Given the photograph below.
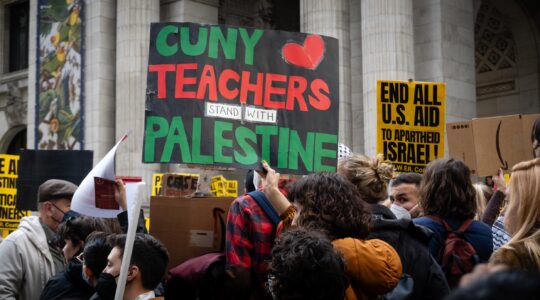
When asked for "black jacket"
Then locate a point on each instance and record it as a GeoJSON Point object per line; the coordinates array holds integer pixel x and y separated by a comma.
{"type": "Point", "coordinates": [410, 242]}
{"type": "Point", "coordinates": [68, 284]}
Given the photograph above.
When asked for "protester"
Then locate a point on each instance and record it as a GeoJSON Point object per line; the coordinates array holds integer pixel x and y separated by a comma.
{"type": "Point", "coordinates": [75, 231]}
{"type": "Point", "coordinates": [522, 219]}
{"type": "Point", "coordinates": [306, 266]}
{"type": "Point", "coordinates": [30, 255]}
{"type": "Point", "coordinates": [447, 198]}
{"type": "Point", "coordinates": [249, 238]}
{"type": "Point", "coordinates": [328, 203]}
{"type": "Point", "coordinates": [70, 283]}
{"type": "Point", "coordinates": [404, 195]}
{"type": "Point", "coordinates": [148, 265]}
{"type": "Point", "coordinates": [371, 177]}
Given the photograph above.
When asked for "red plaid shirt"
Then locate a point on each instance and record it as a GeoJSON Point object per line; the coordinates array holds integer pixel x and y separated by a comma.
{"type": "Point", "coordinates": [249, 238]}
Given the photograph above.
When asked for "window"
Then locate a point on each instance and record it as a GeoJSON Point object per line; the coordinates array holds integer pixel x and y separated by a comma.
{"type": "Point", "coordinates": [18, 23]}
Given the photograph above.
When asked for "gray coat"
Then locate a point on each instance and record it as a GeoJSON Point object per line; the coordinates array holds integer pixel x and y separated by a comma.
{"type": "Point", "coordinates": [26, 262]}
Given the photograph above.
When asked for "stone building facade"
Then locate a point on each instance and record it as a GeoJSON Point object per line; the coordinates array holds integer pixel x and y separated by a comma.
{"type": "Point", "coordinates": [486, 51]}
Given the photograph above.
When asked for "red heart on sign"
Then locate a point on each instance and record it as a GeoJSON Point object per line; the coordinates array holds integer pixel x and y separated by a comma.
{"type": "Point", "coordinates": [307, 56]}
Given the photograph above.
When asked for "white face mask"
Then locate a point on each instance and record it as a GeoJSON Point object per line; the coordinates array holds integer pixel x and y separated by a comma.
{"type": "Point", "coordinates": [400, 212]}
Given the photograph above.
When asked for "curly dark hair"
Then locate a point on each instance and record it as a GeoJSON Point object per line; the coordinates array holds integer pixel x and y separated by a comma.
{"type": "Point", "coordinates": [306, 266]}
{"type": "Point", "coordinates": [446, 190]}
{"type": "Point", "coordinates": [331, 204]}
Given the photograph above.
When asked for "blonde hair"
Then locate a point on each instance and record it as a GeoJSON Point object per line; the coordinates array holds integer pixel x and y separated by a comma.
{"type": "Point", "coordinates": [369, 174]}
{"type": "Point", "coordinates": [524, 201]}
{"type": "Point", "coordinates": [480, 201]}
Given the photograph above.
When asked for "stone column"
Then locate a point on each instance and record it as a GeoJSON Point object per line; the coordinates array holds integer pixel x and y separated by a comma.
{"type": "Point", "coordinates": [331, 18]}
{"type": "Point", "coordinates": [99, 76]}
{"type": "Point", "coordinates": [132, 43]}
{"type": "Point", "coordinates": [32, 52]}
{"type": "Point", "coordinates": [444, 51]}
{"type": "Point", "coordinates": [205, 12]}
{"type": "Point", "coordinates": [387, 54]}
{"type": "Point", "coordinates": [357, 105]}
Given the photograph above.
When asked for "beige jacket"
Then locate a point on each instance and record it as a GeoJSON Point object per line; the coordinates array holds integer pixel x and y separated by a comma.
{"type": "Point", "coordinates": [26, 263]}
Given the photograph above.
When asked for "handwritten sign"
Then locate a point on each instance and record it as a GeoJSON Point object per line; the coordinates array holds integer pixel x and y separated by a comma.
{"type": "Point", "coordinates": [230, 96]}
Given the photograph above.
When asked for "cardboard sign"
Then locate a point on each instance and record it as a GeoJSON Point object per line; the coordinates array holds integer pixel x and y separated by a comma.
{"type": "Point", "coordinates": [157, 180]}
{"type": "Point", "coordinates": [229, 96]}
{"type": "Point", "coordinates": [179, 184]}
{"type": "Point", "coordinates": [410, 123]}
{"type": "Point", "coordinates": [9, 215]}
{"type": "Point", "coordinates": [189, 227]}
{"type": "Point", "coordinates": [487, 144]}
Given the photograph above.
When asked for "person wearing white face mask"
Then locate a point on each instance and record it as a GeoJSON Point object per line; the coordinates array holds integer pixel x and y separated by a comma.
{"type": "Point", "coordinates": [404, 195]}
{"type": "Point", "coordinates": [371, 176]}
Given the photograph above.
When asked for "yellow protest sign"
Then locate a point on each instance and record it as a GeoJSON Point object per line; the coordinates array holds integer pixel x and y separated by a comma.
{"type": "Point", "coordinates": [410, 123]}
{"type": "Point", "coordinates": [156, 183]}
{"type": "Point", "coordinates": [9, 215]}
{"type": "Point", "coordinates": [157, 179]}
{"type": "Point", "coordinates": [222, 187]}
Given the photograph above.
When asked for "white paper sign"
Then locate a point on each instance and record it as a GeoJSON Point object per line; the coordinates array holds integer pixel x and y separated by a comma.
{"type": "Point", "coordinates": [84, 199]}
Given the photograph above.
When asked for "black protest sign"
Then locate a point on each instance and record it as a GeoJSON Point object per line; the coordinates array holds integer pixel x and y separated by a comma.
{"type": "Point", "coordinates": [38, 166]}
{"type": "Point", "coordinates": [410, 123]}
{"type": "Point", "coordinates": [231, 96]}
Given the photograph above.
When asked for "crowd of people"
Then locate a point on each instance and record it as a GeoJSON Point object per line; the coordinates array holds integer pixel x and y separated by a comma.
{"type": "Point", "coordinates": [363, 232]}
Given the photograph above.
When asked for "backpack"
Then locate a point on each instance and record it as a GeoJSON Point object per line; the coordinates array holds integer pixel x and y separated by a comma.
{"type": "Point", "coordinates": [457, 257]}
{"type": "Point", "coordinates": [204, 277]}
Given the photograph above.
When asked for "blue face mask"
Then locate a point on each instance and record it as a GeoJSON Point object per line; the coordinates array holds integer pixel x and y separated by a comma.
{"type": "Point", "coordinates": [70, 214]}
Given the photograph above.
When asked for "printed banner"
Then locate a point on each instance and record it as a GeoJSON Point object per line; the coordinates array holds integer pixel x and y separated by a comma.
{"type": "Point", "coordinates": [410, 123]}
{"type": "Point", "coordinates": [231, 96]}
{"type": "Point", "coordinates": [9, 215]}
{"type": "Point", "coordinates": [59, 86]}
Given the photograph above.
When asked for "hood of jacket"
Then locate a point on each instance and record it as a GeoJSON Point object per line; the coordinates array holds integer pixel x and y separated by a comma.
{"type": "Point", "coordinates": [373, 266]}
{"type": "Point", "coordinates": [384, 220]}
{"type": "Point", "coordinates": [35, 233]}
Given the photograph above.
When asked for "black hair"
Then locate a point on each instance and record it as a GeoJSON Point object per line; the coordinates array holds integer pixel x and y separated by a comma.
{"type": "Point", "coordinates": [76, 229]}
{"type": "Point", "coordinates": [248, 181]}
{"type": "Point", "coordinates": [96, 250]}
{"type": "Point", "coordinates": [149, 255]}
{"type": "Point", "coordinates": [306, 266]}
{"type": "Point", "coordinates": [513, 284]}
{"type": "Point", "coordinates": [407, 178]}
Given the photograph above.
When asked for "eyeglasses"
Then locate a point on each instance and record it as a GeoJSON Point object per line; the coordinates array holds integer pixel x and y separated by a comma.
{"type": "Point", "coordinates": [58, 208]}
{"type": "Point", "coordinates": [80, 257]}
